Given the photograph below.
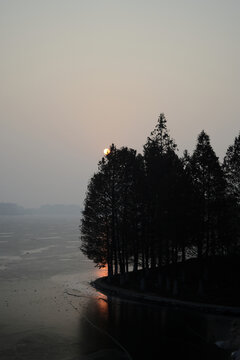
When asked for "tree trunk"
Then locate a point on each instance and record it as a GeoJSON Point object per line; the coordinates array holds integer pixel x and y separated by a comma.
{"type": "Point", "coordinates": [183, 252]}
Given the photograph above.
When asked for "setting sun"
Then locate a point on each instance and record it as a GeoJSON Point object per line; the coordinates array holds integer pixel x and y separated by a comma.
{"type": "Point", "coordinates": [106, 151]}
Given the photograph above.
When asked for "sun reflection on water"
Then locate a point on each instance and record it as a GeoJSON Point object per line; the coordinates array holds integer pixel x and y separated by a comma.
{"type": "Point", "coordinates": [102, 272]}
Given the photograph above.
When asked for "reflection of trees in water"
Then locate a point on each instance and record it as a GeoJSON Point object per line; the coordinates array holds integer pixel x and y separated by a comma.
{"type": "Point", "coordinates": [149, 332]}
{"type": "Point", "coordinates": [96, 340]}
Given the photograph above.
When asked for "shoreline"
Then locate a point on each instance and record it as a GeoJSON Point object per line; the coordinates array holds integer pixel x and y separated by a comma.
{"type": "Point", "coordinates": [150, 298]}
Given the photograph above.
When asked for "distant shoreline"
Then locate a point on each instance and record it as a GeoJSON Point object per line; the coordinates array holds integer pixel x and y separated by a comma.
{"type": "Point", "coordinates": [102, 284]}
{"type": "Point", "coordinates": [12, 209]}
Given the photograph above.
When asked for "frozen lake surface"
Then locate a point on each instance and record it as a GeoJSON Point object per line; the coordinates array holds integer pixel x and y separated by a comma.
{"type": "Point", "coordinates": [48, 310]}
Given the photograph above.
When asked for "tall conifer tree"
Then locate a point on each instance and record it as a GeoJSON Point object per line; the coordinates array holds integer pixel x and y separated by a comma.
{"type": "Point", "coordinates": [209, 183]}
{"type": "Point", "coordinates": [160, 158]}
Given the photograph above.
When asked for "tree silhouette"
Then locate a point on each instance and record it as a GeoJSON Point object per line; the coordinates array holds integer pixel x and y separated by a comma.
{"type": "Point", "coordinates": [231, 167]}
{"type": "Point", "coordinates": [111, 223]}
{"type": "Point", "coordinates": [95, 225]}
{"type": "Point", "coordinates": [210, 185]}
{"type": "Point", "coordinates": [160, 166]}
{"type": "Point", "coordinates": [152, 210]}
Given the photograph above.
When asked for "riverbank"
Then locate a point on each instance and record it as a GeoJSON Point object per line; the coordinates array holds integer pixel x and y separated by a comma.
{"type": "Point", "coordinates": [101, 284]}
{"type": "Point", "coordinates": [210, 285]}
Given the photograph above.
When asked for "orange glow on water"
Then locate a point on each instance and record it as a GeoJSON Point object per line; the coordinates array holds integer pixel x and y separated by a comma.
{"type": "Point", "coordinates": [102, 272]}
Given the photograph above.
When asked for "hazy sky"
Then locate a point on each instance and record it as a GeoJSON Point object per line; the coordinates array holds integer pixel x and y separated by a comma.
{"type": "Point", "coordinates": [77, 75]}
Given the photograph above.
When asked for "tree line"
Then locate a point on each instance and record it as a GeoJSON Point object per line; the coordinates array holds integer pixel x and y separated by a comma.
{"type": "Point", "coordinates": [144, 211]}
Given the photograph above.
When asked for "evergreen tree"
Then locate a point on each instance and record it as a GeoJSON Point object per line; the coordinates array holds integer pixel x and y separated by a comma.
{"type": "Point", "coordinates": [160, 158]}
{"type": "Point", "coordinates": [231, 167]}
{"type": "Point", "coordinates": [191, 209]}
{"type": "Point", "coordinates": [111, 223]}
{"type": "Point", "coordinates": [130, 177]}
{"type": "Point", "coordinates": [95, 224]}
{"type": "Point", "coordinates": [209, 184]}
{"type": "Point", "coordinates": [157, 209]}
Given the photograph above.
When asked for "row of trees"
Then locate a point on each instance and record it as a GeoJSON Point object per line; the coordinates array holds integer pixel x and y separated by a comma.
{"type": "Point", "coordinates": [145, 211]}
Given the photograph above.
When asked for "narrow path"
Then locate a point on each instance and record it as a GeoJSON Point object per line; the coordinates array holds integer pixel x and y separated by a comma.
{"type": "Point", "coordinates": [101, 285]}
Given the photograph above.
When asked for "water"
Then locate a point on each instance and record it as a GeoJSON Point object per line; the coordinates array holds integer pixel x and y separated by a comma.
{"type": "Point", "coordinates": [48, 310]}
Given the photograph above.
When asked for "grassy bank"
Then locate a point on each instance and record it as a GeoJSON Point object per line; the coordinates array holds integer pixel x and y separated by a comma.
{"type": "Point", "coordinates": [210, 281]}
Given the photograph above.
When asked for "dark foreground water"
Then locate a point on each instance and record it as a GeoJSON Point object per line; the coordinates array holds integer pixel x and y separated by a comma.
{"type": "Point", "coordinates": [49, 311]}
